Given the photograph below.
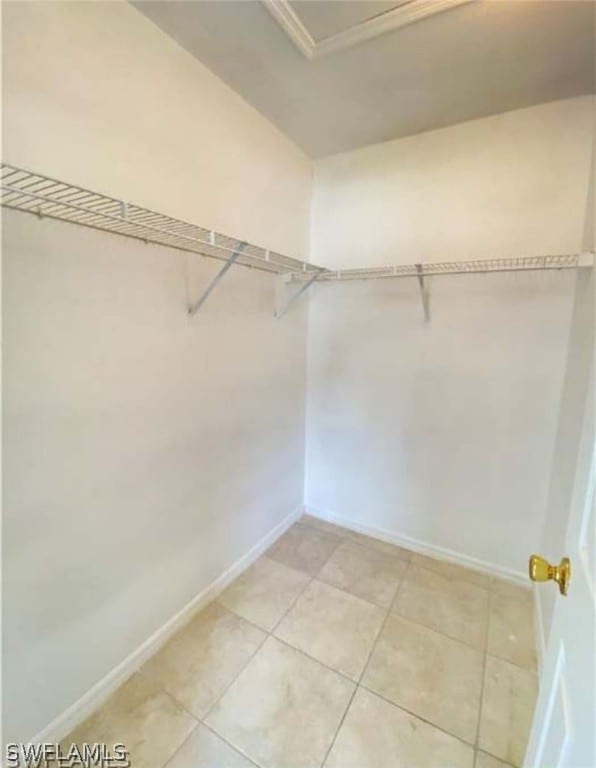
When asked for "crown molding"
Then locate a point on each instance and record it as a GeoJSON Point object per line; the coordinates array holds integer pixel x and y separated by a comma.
{"type": "Point", "coordinates": [282, 12]}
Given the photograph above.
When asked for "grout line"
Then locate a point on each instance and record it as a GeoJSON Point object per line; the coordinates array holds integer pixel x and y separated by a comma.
{"type": "Point", "coordinates": [451, 577]}
{"type": "Point", "coordinates": [356, 683]}
{"type": "Point", "coordinates": [365, 665]}
{"type": "Point", "coordinates": [384, 698]}
{"type": "Point", "coordinates": [290, 606]}
{"type": "Point", "coordinates": [347, 537]}
{"type": "Point", "coordinates": [198, 723]}
{"type": "Point", "coordinates": [420, 623]}
{"type": "Point", "coordinates": [270, 634]}
{"type": "Point", "coordinates": [495, 757]}
{"type": "Point", "coordinates": [416, 715]}
{"type": "Point", "coordinates": [484, 659]}
{"type": "Point", "coordinates": [407, 620]}
{"type": "Point", "coordinates": [358, 546]}
{"type": "Point", "coordinates": [389, 612]}
{"type": "Point", "coordinates": [312, 576]}
{"type": "Point", "coordinates": [236, 676]}
{"type": "Point", "coordinates": [341, 722]}
{"type": "Point", "coordinates": [317, 661]}
{"type": "Point", "coordinates": [267, 634]}
{"type": "Point", "coordinates": [179, 747]}
{"type": "Point", "coordinates": [387, 615]}
{"type": "Point", "coordinates": [229, 743]}
{"type": "Point", "coordinates": [531, 670]}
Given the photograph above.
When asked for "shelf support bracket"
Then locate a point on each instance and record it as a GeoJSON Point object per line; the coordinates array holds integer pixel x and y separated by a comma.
{"type": "Point", "coordinates": [194, 308]}
{"type": "Point", "coordinates": [423, 293]}
{"type": "Point", "coordinates": [281, 312]}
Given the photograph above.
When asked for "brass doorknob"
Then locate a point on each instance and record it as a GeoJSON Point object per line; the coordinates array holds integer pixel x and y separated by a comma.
{"type": "Point", "coordinates": [542, 570]}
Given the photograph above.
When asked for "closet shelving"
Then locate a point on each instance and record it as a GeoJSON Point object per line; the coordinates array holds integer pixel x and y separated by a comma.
{"type": "Point", "coordinates": [44, 196]}
{"type": "Point", "coordinates": [48, 197]}
{"type": "Point", "coordinates": [562, 261]}
{"type": "Point", "coordinates": [472, 266]}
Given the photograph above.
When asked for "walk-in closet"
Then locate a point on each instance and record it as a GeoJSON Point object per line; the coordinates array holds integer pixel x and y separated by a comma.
{"type": "Point", "coordinates": [298, 392]}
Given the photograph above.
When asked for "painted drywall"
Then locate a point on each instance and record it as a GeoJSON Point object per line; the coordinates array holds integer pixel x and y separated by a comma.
{"type": "Point", "coordinates": [144, 452]}
{"type": "Point", "coordinates": [440, 433]}
{"type": "Point", "coordinates": [95, 94]}
{"type": "Point", "coordinates": [510, 185]}
{"type": "Point", "coordinates": [443, 433]}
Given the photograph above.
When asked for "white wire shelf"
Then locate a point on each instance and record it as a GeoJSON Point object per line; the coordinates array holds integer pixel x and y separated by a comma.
{"type": "Point", "coordinates": [527, 263]}
{"type": "Point", "coordinates": [47, 197]}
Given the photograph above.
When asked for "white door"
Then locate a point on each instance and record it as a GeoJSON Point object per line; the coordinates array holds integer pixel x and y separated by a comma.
{"type": "Point", "coordinates": [564, 728]}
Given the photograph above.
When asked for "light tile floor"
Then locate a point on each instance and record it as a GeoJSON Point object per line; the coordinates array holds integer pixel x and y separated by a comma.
{"type": "Point", "coordinates": [337, 650]}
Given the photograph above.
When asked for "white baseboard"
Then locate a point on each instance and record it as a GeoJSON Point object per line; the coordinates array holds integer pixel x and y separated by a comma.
{"type": "Point", "coordinates": [95, 696]}
{"type": "Point", "coordinates": [422, 547]}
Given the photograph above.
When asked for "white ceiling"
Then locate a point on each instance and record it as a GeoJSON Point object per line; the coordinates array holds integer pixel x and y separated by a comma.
{"type": "Point", "coordinates": [324, 18]}
{"type": "Point", "coordinates": [478, 59]}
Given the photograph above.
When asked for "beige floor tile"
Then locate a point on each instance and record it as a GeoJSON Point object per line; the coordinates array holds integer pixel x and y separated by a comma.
{"type": "Point", "coordinates": [511, 630]}
{"type": "Point", "coordinates": [509, 589]}
{"type": "Point", "coordinates": [483, 760]}
{"type": "Point", "coordinates": [304, 548]}
{"type": "Point", "coordinates": [364, 572]}
{"type": "Point", "coordinates": [204, 749]}
{"type": "Point", "coordinates": [333, 627]}
{"type": "Point", "coordinates": [264, 592]}
{"type": "Point", "coordinates": [452, 570]}
{"type": "Point", "coordinates": [141, 716]}
{"type": "Point", "coordinates": [376, 734]}
{"type": "Point", "coordinates": [284, 708]}
{"type": "Point", "coordinates": [323, 525]}
{"type": "Point", "coordinates": [198, 663]}
{"type": "Point", "coordinates": [508, 703]}
{"type": "Point", "coordinates": [429, 674]}
{"type": "Point", "coordinates": [456, 608]}
{"type": "Point", "coordinates": [379, 545]}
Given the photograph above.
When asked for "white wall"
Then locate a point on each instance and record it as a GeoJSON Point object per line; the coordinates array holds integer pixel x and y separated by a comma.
{"type": "Point", "coordinates": [440, 433]}
{"type": "Point", "coordinates": [144, 452]}
{"type": "Point", "coordinates": [444, 433]}
{"type": "Point", "coordinates": [509, 185]}
{"type": "Point", "coordinates": [95, 94]}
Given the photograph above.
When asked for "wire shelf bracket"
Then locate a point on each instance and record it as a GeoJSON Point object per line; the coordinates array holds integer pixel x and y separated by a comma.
{"type": "Point", "coordinates": [194, 308]}
{"type": "Point", "coordinates": [282, 308]}
{"type": "Point", "coordinates": [423, 293]}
